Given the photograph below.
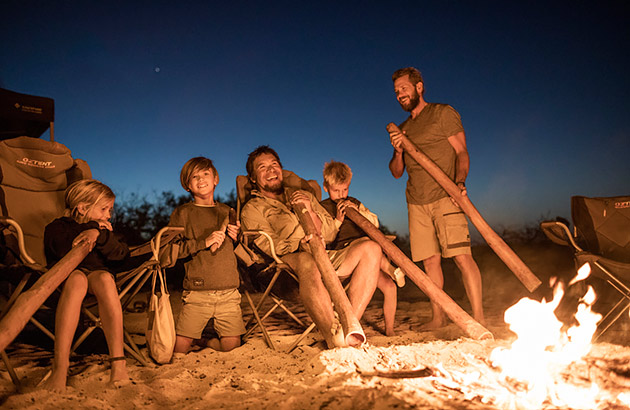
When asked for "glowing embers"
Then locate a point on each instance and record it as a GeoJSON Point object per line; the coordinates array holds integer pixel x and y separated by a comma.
{"type": "Point", "coordinates": [538, 361]}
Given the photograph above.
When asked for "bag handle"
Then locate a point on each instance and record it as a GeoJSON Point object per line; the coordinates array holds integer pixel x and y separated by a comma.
{"type": "Point", "coordinates": [160, 273]}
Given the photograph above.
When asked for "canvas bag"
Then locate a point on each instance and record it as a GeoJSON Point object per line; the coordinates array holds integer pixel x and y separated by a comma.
{"type": "Point", "coordinates": [160, 333]}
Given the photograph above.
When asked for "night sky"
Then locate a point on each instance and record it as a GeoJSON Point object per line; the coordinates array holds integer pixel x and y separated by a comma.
{"type": "Point", "coordinates": [141, 87]}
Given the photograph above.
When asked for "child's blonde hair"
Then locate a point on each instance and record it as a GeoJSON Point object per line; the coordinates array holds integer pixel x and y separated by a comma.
{"type": "Point", "coordinates": [88, 191]}
{"type": "Point", "coordinates": [336, 173]}
{"type": "Point", "coordinates": [193, 165]}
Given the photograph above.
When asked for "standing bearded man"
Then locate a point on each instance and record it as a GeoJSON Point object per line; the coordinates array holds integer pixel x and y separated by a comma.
{"type": "Point", "coordinates": [437, 226]}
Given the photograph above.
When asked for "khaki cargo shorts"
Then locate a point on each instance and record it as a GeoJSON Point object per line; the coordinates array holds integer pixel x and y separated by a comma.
{"type": "Point", "coordinates": [337, 256]}
{"type": "Point", "coordinates": [438, 228]}
{"type": "Point", "coordinates": [199, 306]}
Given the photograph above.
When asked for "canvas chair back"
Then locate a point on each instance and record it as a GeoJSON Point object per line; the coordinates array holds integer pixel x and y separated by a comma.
{"type": "Point", "coordinates": [25, 115]}
{"type": "Point", "coordinates": [34, 174]}
{"type": "Point", "coordinates": [602, 226]}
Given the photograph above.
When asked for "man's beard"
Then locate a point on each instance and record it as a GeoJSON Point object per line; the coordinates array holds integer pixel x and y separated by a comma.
{"type": "Point", "coordinates": [276, 188]}
{"type": "Point", "coordinates": [414, 100]}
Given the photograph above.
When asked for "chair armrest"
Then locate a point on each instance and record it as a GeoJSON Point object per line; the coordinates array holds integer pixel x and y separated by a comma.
{"type": "Point", "coordinates": [252, 234]}
{"type": "Point", "coordinates": [559, 234]}
{"type": "Point", "coordinates": [19, 234]}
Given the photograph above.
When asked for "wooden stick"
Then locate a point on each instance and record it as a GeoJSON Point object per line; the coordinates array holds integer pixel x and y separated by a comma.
{"type": "Point", "coordinates": [29, 301]}
{"type": "Point", "coordinates": [507, 255]}
{"type": "Point", "coordinates": [437, 295]}
{"type": "Point", "coordinates": [352, 329]}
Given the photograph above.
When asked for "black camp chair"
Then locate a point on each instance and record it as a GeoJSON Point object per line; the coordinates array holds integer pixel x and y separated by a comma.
{"type": "Point", "coordinates": [601, 237]}
{"type": "Point", "coordinates": [25, 115]}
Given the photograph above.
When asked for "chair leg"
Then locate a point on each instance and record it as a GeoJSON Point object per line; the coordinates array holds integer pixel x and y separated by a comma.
{"type": "Point", "coordinates": [265, 294]}
{"type": "Point", "coordinates": [281, 305]}
{"type": "Point", "coordinates": [14, 378]}
{"type": "Point", "coordinates": [611, 317]}
{"type": "Point", "coordinates": [136, 355]}
{"type": "Point", "coordinates": [301, 337]}
{"type": "Point", "coordinates": [134, 350]}
{"type": "Point", "coordinates": [259, 321]}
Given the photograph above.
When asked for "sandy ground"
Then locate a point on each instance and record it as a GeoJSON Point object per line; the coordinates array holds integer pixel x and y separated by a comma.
{"type": "Point", "coordinates": [442, 369]}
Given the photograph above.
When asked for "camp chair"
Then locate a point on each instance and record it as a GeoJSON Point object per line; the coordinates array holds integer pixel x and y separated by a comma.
{"type": "Point", "coordinates": [25, 115]}
{"type": "Point", "coordinates": [129, 284]}
{"type": "Point", "coordinates": [254, 260]}
{"type": "Point", "coordinates": [601, 237]}
{"type": "Point", "coordinates": [34, 174]}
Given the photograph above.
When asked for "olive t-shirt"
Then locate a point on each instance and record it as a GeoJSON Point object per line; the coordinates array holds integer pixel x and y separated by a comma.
{"type": "Point", "coordinates": [430, 131]}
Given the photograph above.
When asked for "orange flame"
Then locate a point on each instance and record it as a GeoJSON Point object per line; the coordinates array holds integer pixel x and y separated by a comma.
{"type": "Point", "coordinates": [542, 350]}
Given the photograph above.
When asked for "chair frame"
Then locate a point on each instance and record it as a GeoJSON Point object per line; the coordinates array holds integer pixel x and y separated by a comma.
{"type": "Point", "coordinates": [277, 302]}
{"type": "Point", "coordinates": [130, 281]}
{"type": "Point", "coordinates": [566, 238]}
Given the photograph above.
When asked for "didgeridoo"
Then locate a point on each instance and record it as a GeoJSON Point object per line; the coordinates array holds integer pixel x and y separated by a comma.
{"type": "Point", "coordinates": [28, 302]}
{"type": "Point", "coordinates": [458, 315]}
{"type": "Point", "coordinates": [503, 251]}
{"type": "Point", "coordinates": [353, 332]}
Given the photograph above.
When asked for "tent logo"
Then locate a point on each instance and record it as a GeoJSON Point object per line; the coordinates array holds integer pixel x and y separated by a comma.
{"type": "Point", "coordinates": [26, 108]}
{"type": "Point", "coordinates": [620, 205]}
{"type": "Point", "coordinates": [35, 163]}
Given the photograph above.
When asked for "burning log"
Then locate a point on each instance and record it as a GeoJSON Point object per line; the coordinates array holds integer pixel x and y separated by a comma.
{"type": "Point", "coordinates": [351, 327]}
{"type": "Point", "coordinates": [507, 255]}
{"type": "Point", "coordinates": [28, 302]}
{"type": "Point", "coordinates": [437, 295]}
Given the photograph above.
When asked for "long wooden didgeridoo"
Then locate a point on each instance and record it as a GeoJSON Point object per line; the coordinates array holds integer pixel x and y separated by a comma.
{"type": "Point", "coordinates": [507, 255]}
{"type": "Point", "coordinates": [437, 295]}
{"type": "Point", "coordinates": [352, 330]}
{"type": "Point", "coordinates": [28, 302]}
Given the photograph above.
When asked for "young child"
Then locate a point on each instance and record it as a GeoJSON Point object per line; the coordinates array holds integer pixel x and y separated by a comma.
{"type": "Point", "coordinates": [337, 178]}
{"type": "Point", "coordinates": [89, 205]}
{"type": "Point", "coordinates": [211, 281]}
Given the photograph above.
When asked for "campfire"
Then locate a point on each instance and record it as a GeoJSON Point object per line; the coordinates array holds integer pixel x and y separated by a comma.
{"type": "Point", "coordinates": [550, 365]}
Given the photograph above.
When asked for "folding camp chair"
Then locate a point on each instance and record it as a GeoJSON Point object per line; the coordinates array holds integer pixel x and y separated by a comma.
{"type": "Point", "coordinates": [276, 269]}
{"type": "Point", "coordinates": [34, 174]}
{"type": "Point", "coordinates": [25, 115]}
{"type": "Point", "coordinates": [129, 284]}
{"type": "Point", "coordinates": [601, 237]}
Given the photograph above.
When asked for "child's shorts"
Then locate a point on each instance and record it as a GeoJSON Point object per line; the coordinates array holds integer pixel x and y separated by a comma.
{"type": "Point", "coordinates": [337, 256]}
{"type": "Point", "coordinates": [199, 306]}
{"type": "Point", "coordinates": [438, 228]}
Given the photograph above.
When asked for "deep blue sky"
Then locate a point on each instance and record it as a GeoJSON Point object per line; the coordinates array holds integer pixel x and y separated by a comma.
{"type": "Point", "coordinates": [140, 87]}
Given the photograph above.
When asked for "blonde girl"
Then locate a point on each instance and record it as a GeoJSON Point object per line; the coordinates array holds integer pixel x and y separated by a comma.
{"type": "Point", "coordinates": [89, 205]}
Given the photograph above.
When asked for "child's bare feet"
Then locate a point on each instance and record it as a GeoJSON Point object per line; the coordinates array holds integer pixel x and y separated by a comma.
{"type": "Point", "coordinates": [434, 324]}
{"type": "Point", "coordinates": [399, 277]}
{"type": "Point", "coordinates": [119, 375]}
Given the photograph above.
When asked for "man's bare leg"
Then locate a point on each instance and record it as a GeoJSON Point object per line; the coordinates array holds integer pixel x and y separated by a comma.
{"type": "Point", "coordinates": [313, 294]}
{"type": "Point", "coordinates": [471, 277]}
{"type": "Point", "coordinates": [66, 320]}
{"type": "Point", "coordinates": [433, 268]}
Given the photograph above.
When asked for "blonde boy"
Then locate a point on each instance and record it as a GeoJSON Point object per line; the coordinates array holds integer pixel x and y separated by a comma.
{"type": "Point", "coordinates": [337, 178]}
{"type": "Point", "coordinates": [211, 281]}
